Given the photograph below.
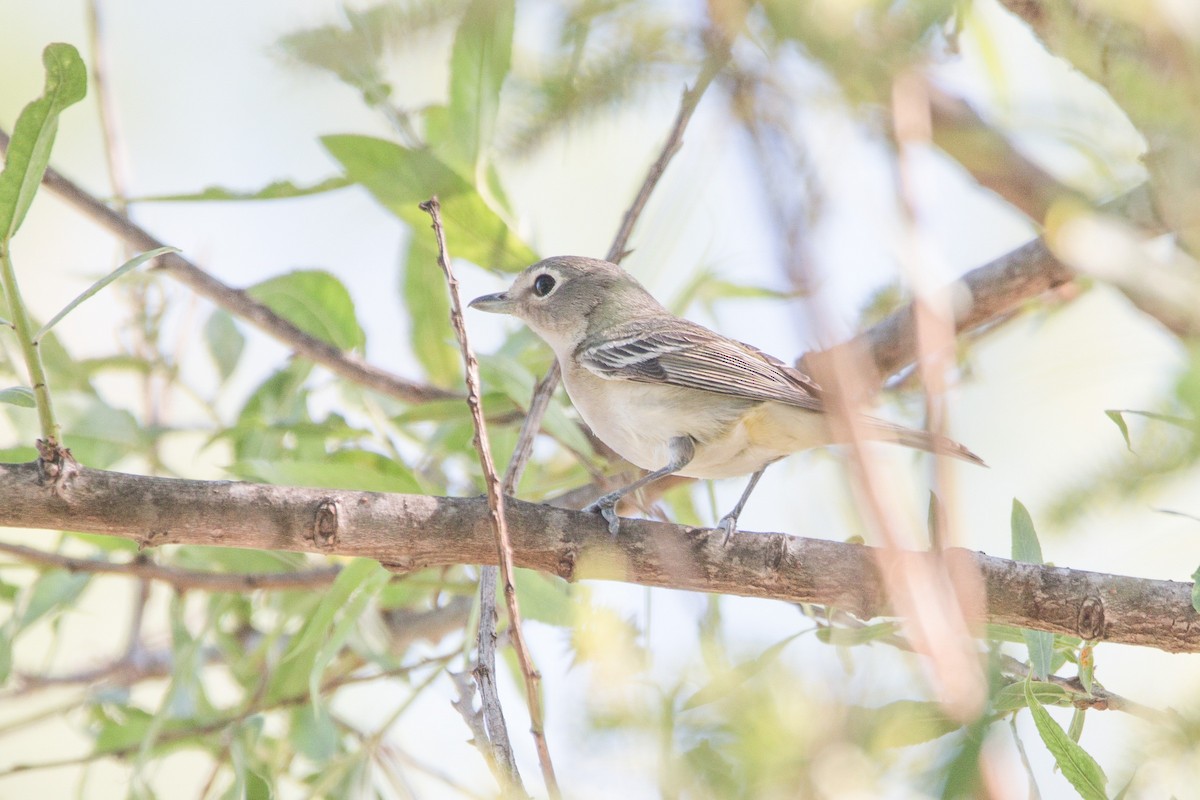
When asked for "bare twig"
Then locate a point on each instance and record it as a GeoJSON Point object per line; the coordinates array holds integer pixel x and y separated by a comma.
{"type": "Point", "coordinates": [495, 497]}
{"type": "Point", "coordinates": [181, 579]}
{"type": "Point", "coordinates": [617, 250]}
{"type": "Point", "coordinates": [237, 302]}
{"type": "Point", "coordinates": [220, 724]}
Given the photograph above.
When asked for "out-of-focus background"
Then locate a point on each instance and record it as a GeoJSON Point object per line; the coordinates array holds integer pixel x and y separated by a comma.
{"type": "Point", "coordinates": [790, 219]}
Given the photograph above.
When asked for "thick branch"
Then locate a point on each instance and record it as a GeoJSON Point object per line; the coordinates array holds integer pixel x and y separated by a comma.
{"type": "Point", "coordinates": [983, 295]}
{"type": "Point", "coordinates": [408, 532]}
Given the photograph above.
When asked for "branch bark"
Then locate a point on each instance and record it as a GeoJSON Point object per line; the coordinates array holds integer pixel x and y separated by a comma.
{"type": "Point", "coordinates": [409, 532]}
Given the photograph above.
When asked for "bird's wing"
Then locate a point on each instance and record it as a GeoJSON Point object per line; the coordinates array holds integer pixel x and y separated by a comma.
{"type": "Point", "coordinates": [677, 352]}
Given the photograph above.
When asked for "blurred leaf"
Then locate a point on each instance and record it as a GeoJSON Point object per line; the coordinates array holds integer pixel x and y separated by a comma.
{"type": "Point", "coordinates": [494, 403]}
{"type": "Point", "coordinates": [28, 152]}
{"type": "Point", "coordinates": [427, 301]}
{"type": "Point", "coordinates": [313, 734]}
{"type": "Point", "coordinates": [729, 681]}
{"type": "Point", "coordinates": [1077, 764]}
{"type": "Point", "coordinates": [1196, 589]}
{"type": "Point", "coordinates": [1119, 420]}
{"type": "Point", "coordinates": [354, 51]}
{"type": "Point", "coordinates": [851, 637]}
{"type": "Point", "coordinates": [1013, 696]}
{"type": "Point", "coordinates": [225, 342]}
{"type": "Point", "coordinates": [7, 634]}
{"type": "Point", "coordinates": [356, 470]}
{"type": "Point", "coordinates": [299, 663]}
{"type": "Point", "coordinates": [902, 723]}
{"type": "Point", "coordinates": [348, 619]}
{"type": "Point", "coordinates": [99, 434]}
{"type": "Point", "coordinates": [400, 178]}
{"type": "Point", "coordinates": [543, 598]}
{"type": "Point", "coordinates": [1027, 549]}
{"type": "Point", "coordinates": [316, 303]}
{"type": "Point", "coordinates": [278, 190]}
{"type": "Point", "coordinates": [478, 65]}
{"type": "Point", "coordinates": [87, 293]}
{"type": "Point", "coordinates": [18, 396]}
{"type": "Point", "coordinates": [239, 560]}
{"type": "Point", "coordinates": [53, 590]}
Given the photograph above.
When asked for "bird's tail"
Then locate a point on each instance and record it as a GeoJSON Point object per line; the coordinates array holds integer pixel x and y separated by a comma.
{"type": "Point", "coordinates": [921, 440]}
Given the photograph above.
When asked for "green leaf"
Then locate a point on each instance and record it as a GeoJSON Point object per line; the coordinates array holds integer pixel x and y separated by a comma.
{"type": "Point", "coordinates": [850, 637]}
{"type": "Point", "coordinates": [225, 342]}
{"type": "Point", "coordinates": [1077, 764]}
{"type": "Point", "coordinates": [479, 63]}
{"type": "Point", "coordinates": [99, 434]}
{"type": "Point", "coordinates": [348, 620]}
{"type": "Point", "coordinates": [1027, 549]}
{"type": "Point", "coordinates": [52, 590]}
{"type": "Point", "coordinates": [316, 303]}
{"type": "Point", "coordinates": [18, 396]}
{"type": "Point", "coordinates": [543, 598]}
{"type": "Point", "coordinates": [400, 178]}
{"type": "Point", "coordinates": [314, 734]}
{"type": "Point", "coordinates": [278, 190]}
{"type": "Point", "coordinates": [902, 723]}
{"type": "Point", "coordinates": [727, 682]}
{"type": "Point", "coordinates": [428, 303]}
{"type": "Point", "coordinates": [1025, 546]}
{"type": "Point", "coordinates": [33, 136]}
{"type": "Point", "coordinates": [345, 469]}
{"type": "Point", "coordinates": [1119, 420]}
{"type": "Point", "coordinates": [1196, 589]}
{"type": "Point", "coordinates": [1075, 729]}
{"type": "Point", "coordinates": [300, 659]}
{"type": "Point", "coordinates": [1013, 696]}
{"type": "Point", "coordinates": [129, 265]}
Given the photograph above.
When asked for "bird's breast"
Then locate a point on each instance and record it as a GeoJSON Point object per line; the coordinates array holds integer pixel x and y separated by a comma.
{"type": "Point", "coordinates": [733, 436]}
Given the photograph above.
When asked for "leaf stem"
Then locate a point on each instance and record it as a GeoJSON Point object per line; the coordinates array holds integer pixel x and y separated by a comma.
{"type": "Point", "coordinates": [29, 346]}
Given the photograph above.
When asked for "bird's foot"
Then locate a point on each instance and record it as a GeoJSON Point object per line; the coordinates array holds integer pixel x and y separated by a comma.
{"type": "Point", "coordinates": [728, 527]}
{"type": "Point", "coordinates": [606, 507]}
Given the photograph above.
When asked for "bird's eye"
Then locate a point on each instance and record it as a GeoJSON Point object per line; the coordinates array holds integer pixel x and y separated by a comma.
{"type": "Point", "coordinates": [543, 284]}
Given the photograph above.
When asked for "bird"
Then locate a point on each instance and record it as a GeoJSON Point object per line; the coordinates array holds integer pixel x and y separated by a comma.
{"type": "Point", "coordinates": [670, 395]}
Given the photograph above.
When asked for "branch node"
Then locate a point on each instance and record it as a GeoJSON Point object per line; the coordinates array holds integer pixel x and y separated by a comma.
{"type": "Point", "coordinates": [1091, 623]}
{"type": "Point", "coordinates": [326, 523]}
{"type": "Point", "coordinates": [566, 565]}
{"type": "Point", "coordinates": [56, 466]}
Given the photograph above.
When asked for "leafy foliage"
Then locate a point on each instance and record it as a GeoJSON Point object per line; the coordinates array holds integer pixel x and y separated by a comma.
{"type": "Point", "coordinates": [257, 681]}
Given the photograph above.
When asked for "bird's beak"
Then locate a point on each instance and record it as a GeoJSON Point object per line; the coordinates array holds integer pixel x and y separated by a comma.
{"type": "Point", "coordinates": [498, 303]}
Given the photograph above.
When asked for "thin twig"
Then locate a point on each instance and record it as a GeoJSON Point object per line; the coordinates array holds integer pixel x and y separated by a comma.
{"type": "Point", "coordinates": [181, 579]}
{"type": "Point", "coordinates": [495, 496]}
{"type": "Point", "coordinates": [237, 302]}
{"type": "Point", "coordinates": [251, 709]}
{"type": "Point", "coordinates": [713, 64]}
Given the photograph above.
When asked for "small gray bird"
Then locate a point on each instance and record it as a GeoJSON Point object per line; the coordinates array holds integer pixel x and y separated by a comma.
{"type": "Point", "coordinates": [670, 395]}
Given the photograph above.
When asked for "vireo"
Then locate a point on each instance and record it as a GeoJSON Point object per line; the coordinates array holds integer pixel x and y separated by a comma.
{"type": "Point", "coordinates": [670, 395]}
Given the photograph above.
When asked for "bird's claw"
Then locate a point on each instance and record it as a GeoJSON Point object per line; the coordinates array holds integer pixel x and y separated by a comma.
{"type": "Point", "coordinates": [728, 527]}
{"type": "Point", "coordinates": [606, 508]}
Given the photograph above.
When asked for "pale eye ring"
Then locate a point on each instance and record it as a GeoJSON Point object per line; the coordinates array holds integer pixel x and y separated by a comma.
{"type": "Point", "coordinates": [543, 284]}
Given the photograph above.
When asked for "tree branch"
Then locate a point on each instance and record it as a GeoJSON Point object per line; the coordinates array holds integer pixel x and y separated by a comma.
{"type": "Point", "coordinates": [180, 579]}
{"type": "Point", "coordinates": [237, 302]}
{"type": "Point", "coordinates": [409, 532]}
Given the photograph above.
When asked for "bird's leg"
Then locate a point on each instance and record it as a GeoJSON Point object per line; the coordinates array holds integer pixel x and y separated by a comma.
{"type": "Point", "coordinates": [682, 449]}
{"type": "Point", "coordinates": [728, 523]}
